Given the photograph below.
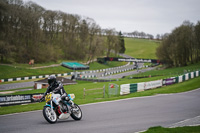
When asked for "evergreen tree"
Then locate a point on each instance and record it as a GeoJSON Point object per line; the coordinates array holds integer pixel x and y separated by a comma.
{"type": "Point", "coordinates": [121, 43]}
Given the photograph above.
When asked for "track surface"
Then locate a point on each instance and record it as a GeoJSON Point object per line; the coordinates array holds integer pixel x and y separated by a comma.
{"type": "Point", "coordinates": [122, 116]}
{"type": "Point", "coordinates": [16, 85]}
{"type": "Point", "coordinates": [121, 75]}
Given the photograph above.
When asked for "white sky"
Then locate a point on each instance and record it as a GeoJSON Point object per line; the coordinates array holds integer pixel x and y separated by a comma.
{"type": "Point", "coordinates": [150, 16]}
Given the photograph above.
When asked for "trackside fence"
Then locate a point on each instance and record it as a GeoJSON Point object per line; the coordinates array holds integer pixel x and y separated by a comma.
{"type": "Point", "coordinates": [93, 92]}
{"type": "Point", "coordinates": [137, 87]}
{"type": "Point", "coordinates": [113, 89]}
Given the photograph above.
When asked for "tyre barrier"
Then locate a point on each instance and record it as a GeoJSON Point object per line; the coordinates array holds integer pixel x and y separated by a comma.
{"type": "Point", "coordinates": [33, 77]}
{"type": "Point", "coordinates": [137, 87]}
{"type": "Point", "coordinates": [106, 73]}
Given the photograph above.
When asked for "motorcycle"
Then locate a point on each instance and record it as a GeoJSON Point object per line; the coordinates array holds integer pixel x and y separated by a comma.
{"type": "Point", "coordinates": [56, 108]}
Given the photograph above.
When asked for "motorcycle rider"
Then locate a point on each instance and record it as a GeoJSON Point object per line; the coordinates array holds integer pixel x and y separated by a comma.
{"type": "Point", "coordinates": [57, 88]}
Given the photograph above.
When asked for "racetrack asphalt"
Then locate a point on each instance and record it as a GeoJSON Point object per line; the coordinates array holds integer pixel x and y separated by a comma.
{"type": "Point", "coordinates": [120, 116]}
{"type": "Point", "coordinates": [16, 85]}
{"type": "Point", "coordinates": [121, 75]}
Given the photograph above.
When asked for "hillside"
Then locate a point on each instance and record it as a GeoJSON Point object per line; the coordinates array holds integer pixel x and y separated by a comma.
{"type": "Point", "coordinates": [141, 48]}
{"type": "Point", "coordinates": [138, 48]}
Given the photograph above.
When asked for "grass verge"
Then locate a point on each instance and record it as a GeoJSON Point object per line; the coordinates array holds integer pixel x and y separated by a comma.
{"type": "Point", "coordinates": [186, 129]}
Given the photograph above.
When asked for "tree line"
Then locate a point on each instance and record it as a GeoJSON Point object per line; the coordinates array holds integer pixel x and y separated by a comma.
{"type": "Point", "coordinates": [182, 46]}
{"type": "Point", "coordinates": [137, 34]}
{"type": "Point", "coordinates": [28, 31]}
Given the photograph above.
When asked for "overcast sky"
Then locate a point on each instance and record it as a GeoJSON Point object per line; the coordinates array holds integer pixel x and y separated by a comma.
{"type": "Point", "coordinates": [150, 16]}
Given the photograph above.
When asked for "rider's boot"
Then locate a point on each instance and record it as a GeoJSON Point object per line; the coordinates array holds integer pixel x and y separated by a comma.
{"type": "Point", "coordinates": [70, 101]}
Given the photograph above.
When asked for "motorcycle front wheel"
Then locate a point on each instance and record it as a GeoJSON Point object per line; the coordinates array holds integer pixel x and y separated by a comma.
{"type": "Point", "coordinates": [76, 112]}
{"type": "Point", "coordinates": [49, 115]}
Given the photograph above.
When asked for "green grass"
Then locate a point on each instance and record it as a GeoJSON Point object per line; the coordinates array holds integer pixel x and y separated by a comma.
{"type": "Point", "coordinates": [78, 91]}
{"type": "Point", "coordinates": [187, 129]}
{"type": "Point", "coordinates": [22, 70]}
{"type": "Point", "coordinates": [141, 48]}
{"type": "Point", "coordinates": [96, 66]}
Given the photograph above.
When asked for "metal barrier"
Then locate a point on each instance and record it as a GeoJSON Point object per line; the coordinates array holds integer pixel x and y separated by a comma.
{"type": "Point", "coordinates": [94, 93]}
{"type": "Point", "coordinates": [113, 89]}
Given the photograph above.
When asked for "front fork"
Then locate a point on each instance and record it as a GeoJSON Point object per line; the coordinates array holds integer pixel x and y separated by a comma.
{"type": "Point", "coordinates": [51, 106]}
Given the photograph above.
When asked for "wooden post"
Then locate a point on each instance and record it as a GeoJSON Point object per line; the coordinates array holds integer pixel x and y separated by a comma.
{"type": "Point", "coordinates": [84, 93]}
{"type": "Point", "coordinates": [104, 91]}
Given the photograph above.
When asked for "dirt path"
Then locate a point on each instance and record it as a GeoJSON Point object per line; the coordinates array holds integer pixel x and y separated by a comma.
{"type": "Point", "coordinates": [54, 65]}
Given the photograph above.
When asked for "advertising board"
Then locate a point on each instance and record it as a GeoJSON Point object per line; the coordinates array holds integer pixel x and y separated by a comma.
{"type": "Point", "coordinates": [19, 99]}
{"type": "Point", "coordinates": [168, 81]}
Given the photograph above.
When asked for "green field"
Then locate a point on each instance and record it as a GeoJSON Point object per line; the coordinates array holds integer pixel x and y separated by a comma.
{"type": "Point", "coordinates": [141, 48]}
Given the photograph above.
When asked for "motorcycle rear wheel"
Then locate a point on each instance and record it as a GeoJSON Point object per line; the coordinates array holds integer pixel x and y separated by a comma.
{"type": "Point", "coordinates": [49, 115]}
{"type": "Point", "coordinates": [76, 112]}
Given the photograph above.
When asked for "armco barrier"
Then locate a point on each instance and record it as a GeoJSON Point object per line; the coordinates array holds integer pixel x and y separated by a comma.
{"type": "Point", "coordinates": [131, 88]}
{"type": "Point", "coordinates": [33, 77]}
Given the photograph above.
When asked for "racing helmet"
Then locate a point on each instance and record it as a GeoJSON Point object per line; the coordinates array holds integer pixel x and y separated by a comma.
{"type": "Point", "coordinates": [51, 80]}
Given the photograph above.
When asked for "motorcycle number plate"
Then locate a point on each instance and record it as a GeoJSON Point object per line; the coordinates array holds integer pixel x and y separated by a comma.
{"type": "Point", "coordinates": [48, 97]}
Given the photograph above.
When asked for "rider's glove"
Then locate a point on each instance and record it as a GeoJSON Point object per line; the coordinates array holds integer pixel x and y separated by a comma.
{"type": "Point", "coordinates": [41, 99]}
{"type": "Point", "coordinates": [63, 97]}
